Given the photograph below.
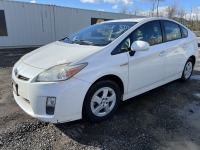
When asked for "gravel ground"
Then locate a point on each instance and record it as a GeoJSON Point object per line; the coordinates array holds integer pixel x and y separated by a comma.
{"type": "Point", "coordinates": [165, 118]}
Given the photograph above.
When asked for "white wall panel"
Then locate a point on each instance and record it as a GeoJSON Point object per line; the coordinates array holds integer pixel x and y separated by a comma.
{"type": "Point", "coordinates": [69, 20]}
{"type": "Point", "coordinates": [35, 24]}
{"type": "Point", "coordinates": [27, 24]}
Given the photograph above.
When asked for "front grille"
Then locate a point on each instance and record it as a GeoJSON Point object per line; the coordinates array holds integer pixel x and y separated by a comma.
{"type": "Point", "coordinates": [23, 78]}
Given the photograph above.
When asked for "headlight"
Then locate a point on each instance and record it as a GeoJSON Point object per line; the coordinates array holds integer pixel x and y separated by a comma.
{"type": "Point", "coordinates": [60, 72]}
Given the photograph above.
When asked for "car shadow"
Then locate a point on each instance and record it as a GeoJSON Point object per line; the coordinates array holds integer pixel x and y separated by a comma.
{"type": "Point", "coordinates": [140, 122]}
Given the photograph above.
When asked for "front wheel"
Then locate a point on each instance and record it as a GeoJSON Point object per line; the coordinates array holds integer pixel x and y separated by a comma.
{"type": "Point", "coordinates": [101, 101]}
{"type": "Point", "coordinates": [188, 69]}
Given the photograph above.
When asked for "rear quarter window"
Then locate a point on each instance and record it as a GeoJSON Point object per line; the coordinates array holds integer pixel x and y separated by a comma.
{"type": "Point", "coordinates": [184, 32]}
{"type": "Point", "coordinates": [172, 31]}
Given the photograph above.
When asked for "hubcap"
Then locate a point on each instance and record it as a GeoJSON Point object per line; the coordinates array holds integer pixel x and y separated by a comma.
{"type": "Point", "coordinates": [188, 70]}
{"type": "Point", "coordinates": [103, 101]}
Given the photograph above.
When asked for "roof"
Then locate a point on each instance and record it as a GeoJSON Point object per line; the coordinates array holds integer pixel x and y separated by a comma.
{"type": "Point", "coordinates": [139, 19]}
{"type": "Point", "coordinates": [127, 20]}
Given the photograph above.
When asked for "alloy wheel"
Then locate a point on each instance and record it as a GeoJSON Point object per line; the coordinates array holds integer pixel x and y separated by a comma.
{"type": "Point", "coordinates": [103, 101]}
{"type": "Point", "coordinates": [188, 70]}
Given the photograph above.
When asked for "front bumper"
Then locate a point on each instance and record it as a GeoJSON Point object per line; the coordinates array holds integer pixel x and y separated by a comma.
{"type": "Point", "coordinates": [69, 98]}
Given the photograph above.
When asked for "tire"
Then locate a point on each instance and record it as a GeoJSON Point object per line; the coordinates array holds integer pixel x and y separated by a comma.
{"type": "Point", "coordinates": [101, 101]}
{"type": "Point", "coordinates": [187, 71]}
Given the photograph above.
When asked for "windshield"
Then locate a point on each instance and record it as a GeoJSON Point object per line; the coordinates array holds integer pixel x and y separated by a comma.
{"type": "Point", "coordinates": [99, 34]}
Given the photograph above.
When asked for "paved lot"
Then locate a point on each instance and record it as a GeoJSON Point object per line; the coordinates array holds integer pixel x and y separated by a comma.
{"type": "Point", "coordinates": [164, 118]}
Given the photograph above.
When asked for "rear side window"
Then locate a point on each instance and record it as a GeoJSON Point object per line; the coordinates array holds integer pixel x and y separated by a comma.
{"type": "Point", "coordinates": [149, 32]}
{"type": "Point", "coordinates": [184, 32]}
{"type": "Point", "coordinates": [172, 30]}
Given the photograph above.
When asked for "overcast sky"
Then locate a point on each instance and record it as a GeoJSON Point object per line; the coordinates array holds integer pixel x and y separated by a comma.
{"type": "Point", "coordinates": [115, 5]}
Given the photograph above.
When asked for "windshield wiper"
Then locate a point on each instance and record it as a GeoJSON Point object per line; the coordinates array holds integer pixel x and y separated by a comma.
{"type": "Point", "coordinates": [63, 40]}
{"type": "Point", "coordinates": [83, 42]}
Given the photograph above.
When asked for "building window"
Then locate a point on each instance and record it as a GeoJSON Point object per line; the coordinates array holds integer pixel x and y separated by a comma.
{"type": "Point", "coordinates": [3, 28]}
{"type": "Point", "coordinates": [98, 20]}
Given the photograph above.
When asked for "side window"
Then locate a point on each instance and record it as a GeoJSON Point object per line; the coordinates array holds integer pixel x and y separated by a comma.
{"type": "Point", "coordinates": [149, 32]}
{"type": "Point", "coordinates": [184, 32]}
{"type": "Point", "coordinates": [172, 30]}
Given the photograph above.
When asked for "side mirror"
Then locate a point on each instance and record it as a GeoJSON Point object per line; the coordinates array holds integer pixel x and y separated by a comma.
{"type": "Point", "coordinates": [140, 46]}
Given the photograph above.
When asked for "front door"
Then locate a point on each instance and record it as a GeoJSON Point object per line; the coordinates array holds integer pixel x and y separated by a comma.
{"type": "Point", "coordinates": [147, 67]}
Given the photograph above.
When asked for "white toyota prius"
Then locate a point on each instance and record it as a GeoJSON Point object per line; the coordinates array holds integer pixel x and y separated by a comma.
{"type": "Point", "coordinates": [88, 73]}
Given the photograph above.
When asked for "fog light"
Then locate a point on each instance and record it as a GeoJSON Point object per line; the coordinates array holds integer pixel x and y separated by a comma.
{"type": "Point", "coordinates": [50, 105]}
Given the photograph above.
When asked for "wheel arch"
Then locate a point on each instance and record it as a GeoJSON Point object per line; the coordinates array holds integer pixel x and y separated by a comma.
{"type": "Point", "coordinates": [193, 58]}
{"type": "Point", "coordinates": [114, 78]}
{"type": "Point", "coordinates": [110, 77]}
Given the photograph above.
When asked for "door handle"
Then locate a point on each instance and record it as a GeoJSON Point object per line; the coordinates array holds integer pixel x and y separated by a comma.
{"type": "Point", "coordinates": [124, 64]}
{"type": "Point", "coordinates": [162, 53]}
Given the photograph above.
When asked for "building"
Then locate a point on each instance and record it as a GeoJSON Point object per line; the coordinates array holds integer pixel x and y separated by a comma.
{"type": "Point", "coordinates": [32, 25]}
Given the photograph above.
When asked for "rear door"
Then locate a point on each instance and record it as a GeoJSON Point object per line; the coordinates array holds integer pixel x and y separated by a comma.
{"type": "Point", "coordinates": [176, 45]}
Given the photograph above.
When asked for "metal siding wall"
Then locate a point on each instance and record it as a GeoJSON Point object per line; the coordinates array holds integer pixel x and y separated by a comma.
{"type": "Point", "coordinates": [70, 20]}
{"type": "Point", "coordinates": [27, 24]}
{"type": "Point", "coordinates": [4, 38]}
{"type": "Point", "coordinates": [34, 24]}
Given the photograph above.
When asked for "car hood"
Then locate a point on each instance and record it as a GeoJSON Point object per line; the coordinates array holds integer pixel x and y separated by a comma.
{"type": "Point", "coordinates": [58, 53]}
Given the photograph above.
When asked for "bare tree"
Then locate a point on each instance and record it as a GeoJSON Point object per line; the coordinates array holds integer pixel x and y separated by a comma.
{"type": "Point", "coordinates": [196, 18]}
{"type": "Point", "coordinates": [191, 19]}
{"type": "Point", "coordinates": [124, 10]}
{"type": "Point", "coordinates": [157, 5]}
{"type": "Point", "coordinates": [172, 10]}
{"type": "Point", "coordinates": [135, 10]}
{"type": "Point", "coordinates": [181, 14]}
{"type": "Point", "coordinates": [153, 5]}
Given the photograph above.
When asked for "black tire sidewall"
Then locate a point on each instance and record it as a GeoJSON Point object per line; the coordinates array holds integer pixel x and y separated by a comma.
{"type": "Point", "coordinates": [87, 112]}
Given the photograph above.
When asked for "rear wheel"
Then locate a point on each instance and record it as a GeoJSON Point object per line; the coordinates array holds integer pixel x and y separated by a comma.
{"type": "Point", "coordinates": [102, 101]}
{"type": "Point", "coordinates": [188, 69]}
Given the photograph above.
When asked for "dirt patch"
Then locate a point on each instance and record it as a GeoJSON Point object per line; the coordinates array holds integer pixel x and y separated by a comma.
{"type": "Point", "coordinates": [164, 118]}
